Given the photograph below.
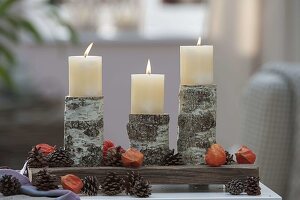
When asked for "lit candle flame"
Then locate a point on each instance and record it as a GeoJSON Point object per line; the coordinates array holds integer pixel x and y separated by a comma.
{"type": "Point", "coordinates": [148, 69]}
{"type": "Point", "coordinates": [199, 41]}
{"type": "Point", "coordinates": [87, 51]}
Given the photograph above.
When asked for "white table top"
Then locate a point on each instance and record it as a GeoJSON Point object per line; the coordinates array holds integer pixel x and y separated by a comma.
{"type": "Point", "coordinates": [175, 192]}
{"type": "Point", "coordinates": [183, 192]}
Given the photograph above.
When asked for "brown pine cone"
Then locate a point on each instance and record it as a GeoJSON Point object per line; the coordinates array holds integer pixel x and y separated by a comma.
{"type": "Point", "coordinates": [235, 187]}
{"type": "Point", "coordinates": [9, 185]}
{"type": "Point", "coordinates": [114, 157]}
{"type": "Point", "coordinates": [252, 186]}
{"type": "Point", "coordinates": [130, 180]}
{"type": "Point", "coordinates": [45, 181]}
{"type": "Point", "coordinates": [36, 159]}
{"type": "Point", "coordinates": [60, 158]}
{"type": "Point", "coordinates": [172, 159]}
{"type": "Point", "coordinates": [142, 188]}
{"type": "Point", "coordinates": [229, 158]}
{"type": "Point", "coordinates": [112, 184]}
{"type": "Point", "coordinates": [90, 185]}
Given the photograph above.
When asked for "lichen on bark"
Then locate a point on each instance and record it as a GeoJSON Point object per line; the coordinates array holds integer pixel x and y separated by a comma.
{"type": "Point", "coordinates": [84, 130]}
{"type": "Point", "coordinates": [149, 134]}
{"type": "Point", "coordinates": [196, 121]}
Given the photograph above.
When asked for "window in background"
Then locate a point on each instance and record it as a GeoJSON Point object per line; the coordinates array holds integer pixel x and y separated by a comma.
{"type": "Point", "coordinates": [183, 20]}
{"type": "Point", "coordinates": [115, 19]}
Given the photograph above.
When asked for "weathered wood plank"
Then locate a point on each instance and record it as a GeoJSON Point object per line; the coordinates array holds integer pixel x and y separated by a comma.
{"type": "Point", "coordinates": [201, 174]}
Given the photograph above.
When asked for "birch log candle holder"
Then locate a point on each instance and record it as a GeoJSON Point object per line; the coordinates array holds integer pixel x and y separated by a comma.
{"type": "Point", "coordinates": [196, 121]}
{"type": "Point", "coordinates": [83, 134]}
{"type": "Point", "coordinates": [150, 134]}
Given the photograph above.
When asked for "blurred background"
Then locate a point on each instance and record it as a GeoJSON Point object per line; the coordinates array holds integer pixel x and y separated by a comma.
{"type": "Point", "coordinates": [258, 103]}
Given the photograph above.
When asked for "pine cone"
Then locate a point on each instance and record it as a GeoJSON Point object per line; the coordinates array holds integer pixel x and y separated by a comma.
{"type": "Point", "coordinates": [235, 187]}
{"type": "Point", "coordinates": [59, 158]}
{"type": "Point", "coordinates": [142, 188]}
{"type": "Point", "coordinates": [9, 185]}
{"type": "Point", "coordinates": [112, 184]}
{"type": "Point", "coordinates": [130, 180]}
{"type": "Point", "coordinates": [45, 181]}
{"type": "Point", "coordinates": [36, 159]}
{"type": "Point", "coordinates": [90, 185]}
{"type": "Point", "coordinates": [172, 159]}
{"type": "Point", "coordinates": [229, 158]}
{"type": "Point", "coordinates": [114, 157]}
{"type": "Point", "coordinates": [252, 186]}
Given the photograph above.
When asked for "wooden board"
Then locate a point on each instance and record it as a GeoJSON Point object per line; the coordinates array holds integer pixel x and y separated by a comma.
{"type": "Point", "coordinates": [200, 175]}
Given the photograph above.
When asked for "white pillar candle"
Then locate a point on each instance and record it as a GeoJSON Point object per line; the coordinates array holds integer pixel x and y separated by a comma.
{"type": "Point", "coordinates": [85, 75]}
{"type": "Point", "coordinates": [147, 92]}
{"type": "Point", "coordinates": [196, 64]}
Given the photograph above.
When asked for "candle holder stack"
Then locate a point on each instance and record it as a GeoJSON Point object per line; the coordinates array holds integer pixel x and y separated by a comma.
{"type": "Point", "coordinates": [196, 121]}
{"type": "Point", "coordinates": [83, 134]}
{"type": "Point", "coordinates": [150, 134]}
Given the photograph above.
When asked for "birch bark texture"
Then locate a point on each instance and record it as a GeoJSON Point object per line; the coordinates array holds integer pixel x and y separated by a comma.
{"type": "Point", "coordinates": [83, 134]}
{"type": "Point", "coordinates": [149, 134]}
{"type": "Point", "coordinates": [196, 121]}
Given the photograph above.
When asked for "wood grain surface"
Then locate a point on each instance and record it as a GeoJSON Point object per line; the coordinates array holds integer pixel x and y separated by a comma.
{"type": "Point", "coordinates": [201, 174]}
